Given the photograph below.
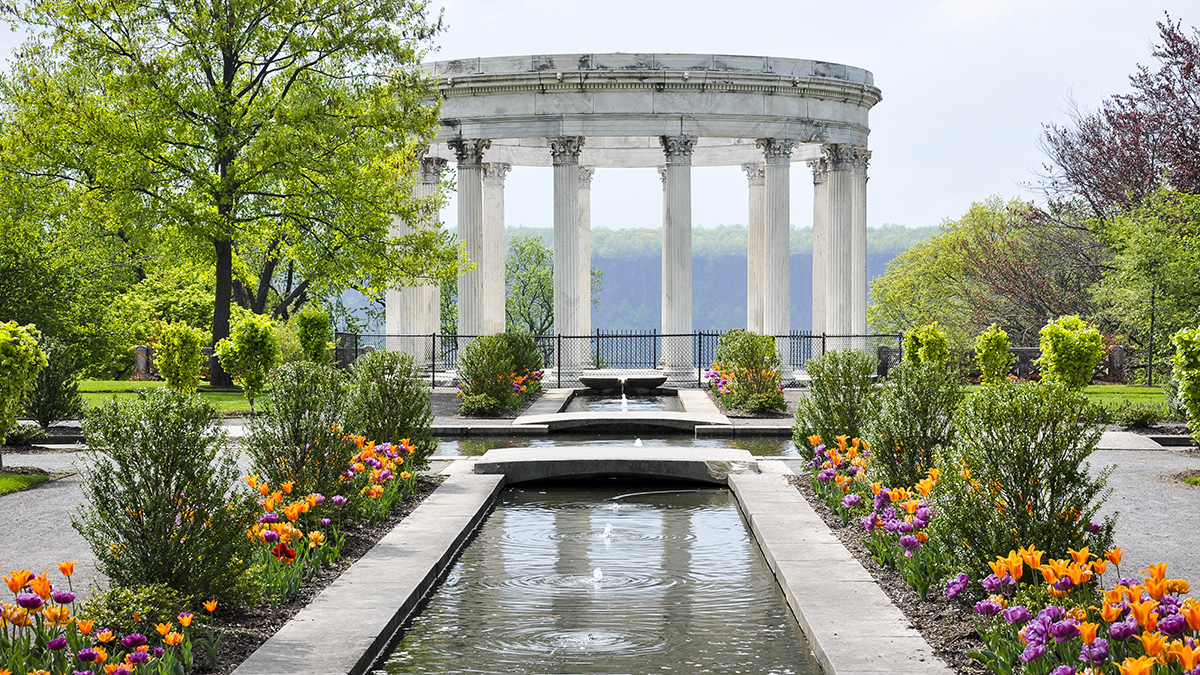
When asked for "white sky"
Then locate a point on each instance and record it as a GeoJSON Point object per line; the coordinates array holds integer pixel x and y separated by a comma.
{"type": "Point", "coordinates": [966, 86]}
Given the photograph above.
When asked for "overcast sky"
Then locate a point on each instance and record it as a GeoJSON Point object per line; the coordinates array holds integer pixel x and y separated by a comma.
{"type": "Point", "coordinates": [967, 86]}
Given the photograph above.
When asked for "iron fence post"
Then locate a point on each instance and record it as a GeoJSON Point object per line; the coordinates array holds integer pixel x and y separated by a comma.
{"type": "Point", "coordinates": [432, 360]}
{"type": "Point", "coordinates": [597, 349]}
{"type": "Point", "coordinates": [558, 361]}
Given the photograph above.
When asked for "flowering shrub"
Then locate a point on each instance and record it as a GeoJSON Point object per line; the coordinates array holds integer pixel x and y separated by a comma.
{"type": "Point", "coordinates": [1052, 616]}
{"type": "Point", "coordinates": [40, 633]}
{"type": "Point", "coordinates": [746, 372]}
{"type": "Point", "coordinates": [497, 372]}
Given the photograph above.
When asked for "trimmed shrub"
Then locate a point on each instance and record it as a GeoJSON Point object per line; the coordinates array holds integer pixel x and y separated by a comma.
{"type": "Point", "coordinates": [745, 373]}
{"type": "Point", "coordinates": [1017, 475]}
{"type": "Point", "coordinates": [290, 350]}
{"type": "Point", "coordinates": [315, 333]}
{"type": "Point", "coordinates": [840, 397]}
{"type": "Point", "coordinates": [498, 372]}
{"type": "Point", "coordinates": [55, 394]}
{"type": "Point", "coordinates": [1187, 372]}
{"type": "Point", "coordinates": [1071, 348]}
{"type": "Point", "coordinates": [24, 435]}
{"type": "Point", "coordinates": [1175, 408]}
{"type": "Point", "coordinates": [926, 344]}
{"type": "Point", "coordinates": [992, 355]}
{"type": "Point", "coordinates": [249, 353]}
{"type": "Point", "coordinates": [159, 505]}
{"type": "Point", "coordinates": [388, 402]}
{"type": "Point", "coordinates": [20, 361]}
{"type": "Point", "coordinates": [299, 438]}
{"type": "Point", "coordinates": [1138, 416]}
{"type": "Point", "coordinates": [180, 356]}
{"type": "Point", "coordinates": [913, 422]}
{"type": "Point", "coordinates": [136, 609]}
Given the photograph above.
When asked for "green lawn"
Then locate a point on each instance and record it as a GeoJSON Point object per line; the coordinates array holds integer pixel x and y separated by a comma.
{"type": "Point", "coordinates": [1116, 395]}
{"type": "Point", "coordinates": [226, 401]}
{"type": "Point", "coordinates": [13, 482]}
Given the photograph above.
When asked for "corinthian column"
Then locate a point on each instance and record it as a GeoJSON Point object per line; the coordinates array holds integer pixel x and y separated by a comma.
{"type": "Point", "coordinates": [415, 310]}
{"type": "Point", "coordinates": [756, 252]}
{"type": "Point", "coordinates": [493, 246]}
{"type": "Point", "coordinates": [777, 277]}
{"type": "Point", "coordinates": [571, 313]}
{"type": "Point", "coordinates": [585, 244]}
{"type": "Point", "coordinates": [840, 214]}
{"type": "Point", "coordinates": [471, 312]}
{"type": "Point", "coordinates": [858, 243]}
{"type": "Point", "coordinates": [677, 253]}
{"type": "Point", "coordinates": [820, 239]}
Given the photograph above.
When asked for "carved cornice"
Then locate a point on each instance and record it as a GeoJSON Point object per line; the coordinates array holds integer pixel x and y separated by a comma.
{"type": "Point", "coordinates": [494, 173]}
{"type": "Point", "coordinates": [469, 151]}
{"type": "Point", "coordinates": [678, 149]}
{"type": "Point", "coordinates": [431, 169]}
{"type": "Point", "coordinates": [756, 173]}
{"type": "Point", "coordinates": [565, 149]}
{"type": "Point", "coordinates": [776, 150]}
{"type": "Point", "coordinates": [842, 157]}
{"type": "Point", "coordinates": [585, 177]}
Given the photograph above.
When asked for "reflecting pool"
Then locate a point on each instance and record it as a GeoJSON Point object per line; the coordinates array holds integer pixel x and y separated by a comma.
{"type": "Point", "coordinates": [471, 446]}
{"type": "Point", "coordinates": [634, 404]}
{"type": "Point", "coordinates": [624, 578]}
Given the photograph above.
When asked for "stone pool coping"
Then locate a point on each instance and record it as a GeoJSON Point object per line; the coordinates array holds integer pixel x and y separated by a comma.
{"type": "Point", "coordinates": [851, 625]}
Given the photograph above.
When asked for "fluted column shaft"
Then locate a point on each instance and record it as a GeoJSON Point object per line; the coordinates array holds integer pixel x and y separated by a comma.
{"type": "Point", "coordinates": [858, 244]}
{"type": "Point", "coordinates": [839, 288]}
{"type": "Point", "coordinates": [820, 237]}
{"type": "Point", "coordinates": [755, 249]}
{"type": "Point", "coordinates": [585, 245]}
{"type": "Point", "coordinates": [415, 310]}
{"type": "Point", "coordinates": [492, 262]}
{"type": "Point", "coordinates": [471, 297]}
{"type": "Point", "coordinates": [677, 251]}
{"type": "Point", "coordinates": [777, 287]}
{"type": "Point", "coordinates": [571, 315]}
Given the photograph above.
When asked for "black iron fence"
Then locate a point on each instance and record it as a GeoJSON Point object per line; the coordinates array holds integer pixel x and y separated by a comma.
{"type": "Point", "coordinates": [683, 357]}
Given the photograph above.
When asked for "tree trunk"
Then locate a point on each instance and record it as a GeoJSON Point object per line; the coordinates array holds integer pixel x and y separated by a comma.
{"type": "Point", "coordinates": [224, 288]}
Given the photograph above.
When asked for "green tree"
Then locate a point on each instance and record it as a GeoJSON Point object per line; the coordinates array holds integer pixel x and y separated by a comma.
{"type": "Point", "coordinates": [20, 361]}
{"type": "Point", "coordinates": [529, 276]}
{"type": "Point", "coordinates": [273, 140]}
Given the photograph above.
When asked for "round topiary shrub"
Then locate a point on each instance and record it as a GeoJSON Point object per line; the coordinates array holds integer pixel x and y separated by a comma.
{"type": "Point", "coordinates": [992, 355]}
{"type": "Point", "coordinates": [1071, 348]}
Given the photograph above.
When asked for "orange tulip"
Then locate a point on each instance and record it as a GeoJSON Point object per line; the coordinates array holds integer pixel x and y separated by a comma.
{"type": "Point", "coordinates": [1100, 565]}
{"type": "Point", "coordinates": [85, 627]}
{"type": "Point", "coordinates": [1143, 613]}
{"type": "Point", "coordinates": [1016, 565]}
{"type": "Point", "coordinates": [1110, 612]}
{"type": "Point", "coordinates": [1157, 588]}
{"type": "Point", "coordinates": [163, 628]}
{"type": "Point", "coordinates": [1178, 586]}
{"type": "Point", "coordinates": [1157, 571]}
{"type": "Point", "coordinates": [287, 487]}
{"type": "Point", "coordinates": [1081, 556]}
{"type": "Point", "coordinates": [105, 636]}
{"type": "Point", "coordinates": [252, 481]}
{"type": "Point", "coordinates": [16, 580]}
{"type": "Point", "coordinates": [67, 568]}
{"type": "Point", "coordinates": [185, 619]}
{"type": "Point", "coordinates": [211, 605]}
{"type": "Point", "coordinates": [1031, 556]}
{"type": "Point", "coordinates": [40, 585]}
{"type": "Point", "coordinates": [5, 671]}
{"type": "Point", "coordinates": [1114, 555]}
{"type": "Point", "coordinates": [814, 440]}
{"type": "Point", "coordinates": [1087, 631]}
{"type": "Point", "coordinates": [1139, 666]}
{"type": "Point", "coordinates": [172, 638]}
{"type": "Point", "coordinates": [264, 489]}
{"type": "Point", "coordinates": [1152, 642]}
{"type": "Point", "coordinates": [1185, 655]}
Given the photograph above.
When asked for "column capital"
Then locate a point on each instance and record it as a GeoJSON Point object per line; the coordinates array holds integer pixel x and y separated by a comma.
{"type": "Point", "coordinates": [565, 149]}
{"type": "Point", "coordinates": [469, 151]}
{"type": "Point", "coordinates": [494, 173]}
{"type": "Point", "coordinates": [662, 175]}
{"type": "Point", "coordinates": [431, 169]}
{"type": "Point", "coordinates": [820, 170]}
{"type": "Point", "coordinates": [842, 157]}
{"type": "Point", "coordinates": [861, 161]}
{"type": "Point", "coordinates": [585, 177]}
{"type": "Point", "coordinates": [678, 149]}
{"type": "Point", "coordinates": [756, 173]}
{"type": "Point", "coordinates": [776, 150]}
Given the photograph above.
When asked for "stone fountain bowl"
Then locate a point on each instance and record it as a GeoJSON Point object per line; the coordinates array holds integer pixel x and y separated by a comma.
{"type": "Point", "coordinates": [645, 381]}
{"type": "Point", "coordinates": [600, 382]}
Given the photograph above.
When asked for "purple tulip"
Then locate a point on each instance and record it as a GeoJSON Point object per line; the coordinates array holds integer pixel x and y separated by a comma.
{"type": "Point", "coordinates": [138, 656]}
{"type": "Point", "coordinates": [826, 475]}
{"type": "Point", "coordinates": [121, 671]}
{"type": "Point", "coordinates": [1032, 651]}
{"type": "Point", "coordinates": [1123, 630]}
{"type": "Point", "coordinates": [270, 536]}
{"type": "Point", "coordinates": [1129, 582]}
{"type": "Point", "coordinates": [1095, 654]}
{"type": "Point", "coordinates": [1053, 612]}
{"type": "Point", "coordinates": [133, 641]}
{"type": "Point", "coordinates": [988, 607]}
{"type": "Point", "coordinates": [338, 500]}
{"type": "Point", "coordinates": [1095, 527]}
{"type": "Point", "coordinates": [882, 500]}
{"type": "Point", "coordinates": [1063, 670]}
{"type": "Point", "coordinates": [325, 521]}
{"type": "Point", "coordinates": [29, 600]}
{"type": "Point", "coordinates": [956, 585]}
{"type": "Point", "coordinates": [269, 517]}
{"type": "Point", "coordinates": [320, 498]}
{"type": "Point", "coordinates": [1064, 584]}
{"type": "Point", "coordinates": [1065, 630]}
{"type": "Point", "coordinates": [56, 644]}
{"type": "Point", "coordinates": [1174, 625]}
{"type": "Point", "coordinates": [1017, 615]}
{"type": "Point", "coordinates": [82, 672]}
{"type": "Point", "coordinates": [87, 655]}
{"type": "Point", "coordinates": [1037, 631]}
{"type": "Point", "coordinates": [909, 543]}
{"type": "Point", "coordinates": [159, 651]}
{"type": "Point", "coordinates": [63, 597]}
{"type": "Point", "coordinates": [851, 500]}
{"type": "Point", "coordinates": [991, 583]}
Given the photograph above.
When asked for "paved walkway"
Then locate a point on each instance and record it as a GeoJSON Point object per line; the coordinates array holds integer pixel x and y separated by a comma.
{"type": "Point", "coordinates": [1159, 518]}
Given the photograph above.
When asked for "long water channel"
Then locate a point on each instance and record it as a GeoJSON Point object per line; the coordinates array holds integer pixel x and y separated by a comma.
{"type": "Point", "coordinates": [621, 578]}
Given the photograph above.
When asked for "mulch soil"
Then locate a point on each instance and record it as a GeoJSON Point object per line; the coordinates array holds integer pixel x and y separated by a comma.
{"type": "Point", "coordinates": [244, 630]}
{"type": "Point", "coordinates": [948, 626]}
